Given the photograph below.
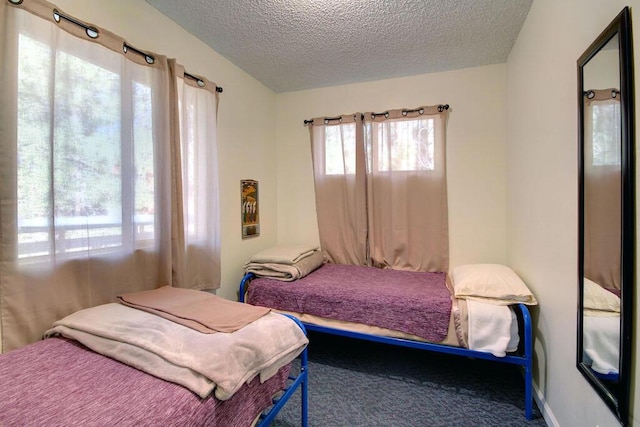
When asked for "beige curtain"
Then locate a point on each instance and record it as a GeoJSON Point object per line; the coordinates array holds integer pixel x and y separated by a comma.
{"type": "Point", "coordinates": [602, 188]}
{"type": "Point", "coordinates": [337, 149]}
{"type": "Point", "coordinates": [89, 207]}
{"type": "Point", "coordinates": [406, 189]}
{"type": "Point", "coordinates": [197, 247]}
{"type": "Point", "coordinates": [381, 192]}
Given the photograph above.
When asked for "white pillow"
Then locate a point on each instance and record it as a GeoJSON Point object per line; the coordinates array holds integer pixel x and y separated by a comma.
{"type": "Point", "coordinates": [598, 298]}
{"type": "Point", "coordinates": [492, 283]}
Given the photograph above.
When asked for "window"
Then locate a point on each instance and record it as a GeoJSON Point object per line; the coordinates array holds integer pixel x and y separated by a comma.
{"type": "Point", "coordinates": [93, 201]}
{"type": "Point", "coordinates": [340, 149]}
{"type": "Point", "coordinates": [606, 133]}
{"type": "Point", "coordinates": [408, 145]}
{"type": "Point", "coordinates": [85, 169]}
{"type": "Point", "coordinates": [380, 188]}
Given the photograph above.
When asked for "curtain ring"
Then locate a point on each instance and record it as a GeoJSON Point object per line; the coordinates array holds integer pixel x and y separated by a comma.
{"type": "Point", "coordinates": [404, 113]}
{"type": "Point", "coordinates": [91, 32]}
{"type": "Point", "coordinates": [15, 1]}
{"type": "Point", "coordinates": [590, 94]}
{"type": "Point", "coordinates": [421, 111]}
{"type": "Point", "coordinates": [614, 93]}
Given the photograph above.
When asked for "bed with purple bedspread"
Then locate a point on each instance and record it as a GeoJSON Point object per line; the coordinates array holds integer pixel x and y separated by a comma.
{"type": "Point", "coordinates": [402, 308]}
{"type": "Point", "coordinates": [59, 382]}
{"type": "Point", "coordinates": [416, 303]}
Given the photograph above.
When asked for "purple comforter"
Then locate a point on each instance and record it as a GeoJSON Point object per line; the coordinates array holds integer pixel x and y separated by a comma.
{"type": "Point", "coordinates": [416, 303]}
{"type": "Point", "coordinates": [58, 382]}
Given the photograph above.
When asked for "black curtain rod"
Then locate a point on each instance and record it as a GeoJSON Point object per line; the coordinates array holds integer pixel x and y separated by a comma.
{"type": "Point", "coordinates": [200, 82]}
{"type": "Point", "coordinates": [329, 119]}
{"type": "Point", "coordinates": [441, 108]}
{"type": "Point", "coordinates": [92, 32]}
{"type": "Point", "coordinates": [590, 94]}
{"type": "Point", "coordinates": [148, 58]}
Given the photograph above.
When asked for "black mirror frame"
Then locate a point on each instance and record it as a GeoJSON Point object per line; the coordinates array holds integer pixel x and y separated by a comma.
{"type": "Point", "coordinates": [621, 26]}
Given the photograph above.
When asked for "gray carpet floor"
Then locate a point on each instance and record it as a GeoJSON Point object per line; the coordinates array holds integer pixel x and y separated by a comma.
{"type": "Point", "coordinates": [357, 383]}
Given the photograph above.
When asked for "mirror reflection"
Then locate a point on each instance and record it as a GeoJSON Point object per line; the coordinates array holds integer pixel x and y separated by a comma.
{"type": "Point", "coordinates": [606, 249]}
{"type": "Point", "coordinates": [602, 214]}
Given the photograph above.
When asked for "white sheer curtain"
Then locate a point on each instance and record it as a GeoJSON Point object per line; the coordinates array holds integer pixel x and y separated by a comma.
{"type": "Point", "coordinates": [91, 172]}
{"type": "Point", "coordinates": [198, 108]}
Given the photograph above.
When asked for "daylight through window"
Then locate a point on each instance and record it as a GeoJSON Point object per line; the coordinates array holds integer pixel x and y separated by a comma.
{"type": "Point", "coordinates": [85, 160]}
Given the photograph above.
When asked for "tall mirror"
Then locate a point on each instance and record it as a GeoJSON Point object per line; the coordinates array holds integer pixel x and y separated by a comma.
{"type": "Point", "coordinates": [607, 214]}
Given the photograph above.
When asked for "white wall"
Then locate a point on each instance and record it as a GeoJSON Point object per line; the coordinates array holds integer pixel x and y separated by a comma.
{"type": "Point", "coordinates": [476, 135]}
{"type": "Point", "coordinates": [542, 183]}
{"type": "Point", "coordinates": [246, 119]}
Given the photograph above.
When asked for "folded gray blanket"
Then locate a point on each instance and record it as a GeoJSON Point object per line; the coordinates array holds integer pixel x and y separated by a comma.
{"type": "Point", "coordinates": [283, 254]}
{"type": "Point", "coordinates": [286, 272]}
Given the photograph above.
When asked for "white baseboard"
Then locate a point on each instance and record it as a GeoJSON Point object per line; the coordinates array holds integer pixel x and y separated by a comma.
{"type": "Point", "coordinates": [547, 414]}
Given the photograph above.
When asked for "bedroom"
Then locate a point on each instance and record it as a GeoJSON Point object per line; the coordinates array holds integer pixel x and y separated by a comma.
{"type": "Point", "coordinates": [512, 152]}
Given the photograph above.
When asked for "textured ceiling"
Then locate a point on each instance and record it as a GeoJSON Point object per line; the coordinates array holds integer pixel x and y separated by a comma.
{"type": "Point", "coordinates": [301, 44]}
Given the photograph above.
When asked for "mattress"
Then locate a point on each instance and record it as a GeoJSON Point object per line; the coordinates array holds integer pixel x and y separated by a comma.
{"type": "Point", "coordinates": [391, 303]}
{"type": "Point", "coordinates": [58, 381]}
{"type": "Point", "coordinates": [362, 299]}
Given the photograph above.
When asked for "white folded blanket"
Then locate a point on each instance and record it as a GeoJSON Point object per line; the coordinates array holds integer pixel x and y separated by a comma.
{"type": "Point", "coordinates": [492, 328]}
{"type": "Point", "coordinates": [283, 254]}
{"type": "Point", "coordinates": [601, 342]}
{"type": "Point", "coordinates": [286, 272]}
{"type": "Point", "coordinates": [201, 362]}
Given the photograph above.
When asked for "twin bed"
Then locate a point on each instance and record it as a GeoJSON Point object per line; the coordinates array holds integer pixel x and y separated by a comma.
{"type": "Point", "coordinates": [478, 311]}
{"type": "Point", "coordinates": [123, 364]}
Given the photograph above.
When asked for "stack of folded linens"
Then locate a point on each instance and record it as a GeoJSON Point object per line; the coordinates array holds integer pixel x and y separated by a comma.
{"type": "Point", "coordinates": [285, 262]}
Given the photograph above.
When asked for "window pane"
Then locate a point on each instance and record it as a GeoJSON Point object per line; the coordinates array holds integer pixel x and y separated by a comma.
{"type": "Point", "coordinates": [87, 171]}
{"type": "Point", "coordinates": [33, 150]}
{"type": "Point", "coordinates": [85, 156]}
{"type": "Point", "coordinates": [340, 149]}
{"type": "Point", "coordinates": [144, 163]}
{"type": "Point", "coordinates": [405, 145]}
{"type": "Point", "coordinates": [606, 134]}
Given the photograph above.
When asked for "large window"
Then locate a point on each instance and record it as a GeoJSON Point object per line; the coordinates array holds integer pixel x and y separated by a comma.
{"type": "Point", "coordinates": [85, 155]}
{"type": "Point", "coordinates": [105, 187]}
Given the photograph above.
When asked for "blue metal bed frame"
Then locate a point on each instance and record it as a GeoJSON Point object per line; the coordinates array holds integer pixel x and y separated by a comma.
{"type": "Point", "coordinates": [299, 381]}
{"type": "Point", "coordinates": [525, 359]}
